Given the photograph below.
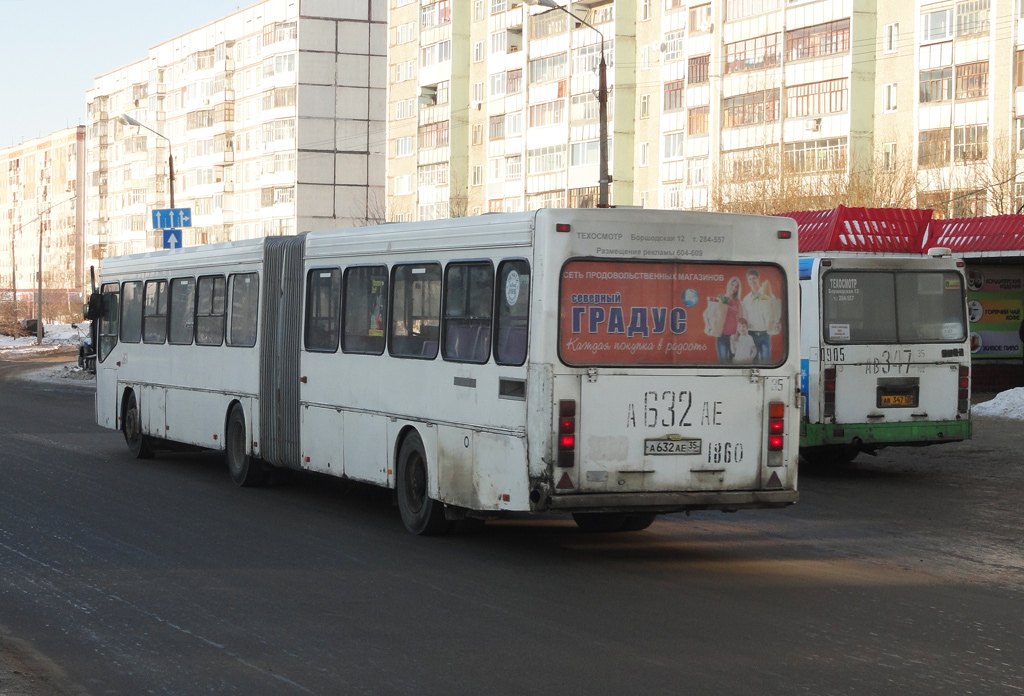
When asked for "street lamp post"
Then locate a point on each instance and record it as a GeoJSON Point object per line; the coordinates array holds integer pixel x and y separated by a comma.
{"type": "Point", "coordinates": [602, 103]}
{"type": "Point", "coordinates": [127, 120]}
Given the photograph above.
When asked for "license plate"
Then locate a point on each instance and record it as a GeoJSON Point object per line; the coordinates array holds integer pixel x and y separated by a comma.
{"type": "Point", "coordinates": [892, 400]}
{"type": "Point", "coordinates": [666, 446]}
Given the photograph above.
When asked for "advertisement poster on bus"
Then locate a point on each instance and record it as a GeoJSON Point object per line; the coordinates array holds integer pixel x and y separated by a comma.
{"type": "Point", "coordinates": [635, 313]}
{"type": "Point", "coordinates": [995, 309]}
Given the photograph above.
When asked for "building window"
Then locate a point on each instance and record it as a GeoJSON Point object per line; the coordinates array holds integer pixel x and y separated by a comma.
{"type": "Point", "coordinates": [498, 6]}
{"type": "Point", "coordinates": [697, 69]}
{"type": "Point", "coordinates": [674, 96]}
{"type": "Point", "coordinates": [514, 168]}
{"type": "Point", "coordinates": [738, 9]}
{"type": "Point", "coordinates": [933, 148]}
{"type": "Point", "coordinates": [497, 83]}
{"type": "Point", "coordinates": [697, 120]}
{"type": "Point", "coordinates": [889, 98]}
{"type": "Point", "coordinates": [972, 17]}
{"type": "Point", "coordinates": [969, 203]}
{"type": "Point", "coordinates": [584, 154]}
{"type": "Point", "coordinates": [548, 68]}
{"type": "Point", "coordinates": [750, 109]}
{"type": "Point", "coordinates": [498, 42]}
{"type": "Point", "coordinates": [547, 113]}
{"type": "Point", "coordinates": [548, 24]}
{"type": "Point", "coordinates": [434, 135]}
{"type": "Point", "coordinates": [645, 105]}
{"type": "Point", "coordinates": [496, 128]}
{"type": "Point", "coordinates": [937, 26]}
{"type": "Point", "coordinates": [404, 147]}
{"type": "Point", "coordinates": [515, 81]}
{"type": "Point", "coordinates": [496, 169]}
{"type": "Point", "coordinates": [819, 40]}
{"type": "Point", "coordinates": [587, 197]}
{"type": "Point", "coordinates": [752, 54]}
{"type": "Point", "coordinates": [970, 143]}
{"type": "Point", "coordinates": [583, 108]}
{"type": "Point", "coordinates": [828, 97]}
{"type": "Point", "coordinates": [645, 10]}
{"type": "Point", "coordinates": [643, 154]}
{"type": "Point", "coordinates": [673, 146]}
{"type": "Point", "coordinates": [891, 38]}
{"type": "Point", "coordinates": [700, 18]}
{"type": "Point", "coordinates": [478, 134]}
{"type": "Point", "coordinates": [478, 91]}
{"type": "Point", "coordinates": [478, 52]}
{"type": "Point", "coordinates": [828, 154]}
{"type": "Point", "coordinates": [936, 85]}
{"type": "Point", "coordinates": [675, 46]}
{"type": "Point", "coordinates": [888, 156]}
{"type": "Point", "coordinates": [478, 174]}
{"type": "Point", "coordinates": [545, 159]}
{"type": "Point", "coordinates": [972, 80]}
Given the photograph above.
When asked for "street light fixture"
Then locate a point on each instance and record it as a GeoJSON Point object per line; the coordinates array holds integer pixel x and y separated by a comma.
{"type": "Point", "coordinates": [602, 102]}
{"type": "Point", "coordinates": [127, 120]}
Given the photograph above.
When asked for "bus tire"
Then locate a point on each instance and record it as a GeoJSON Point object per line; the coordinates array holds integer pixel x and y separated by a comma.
{"type": "Point", "coordinates": [131, 424]}
{"type": "Point", "coordinates": [421, 514]}
{"type": "Point", "coordinates": [638, 522]}
{"type": "Point", "coordinates": [246, 471]}
{"type": "Point", "coordinates": [601, 522]}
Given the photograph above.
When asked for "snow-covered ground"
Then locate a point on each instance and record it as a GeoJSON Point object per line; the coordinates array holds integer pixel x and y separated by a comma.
{"type": "Point", "coordinates": [56, 337]}
{"type": "Point", "coordinates": [1007, 404]}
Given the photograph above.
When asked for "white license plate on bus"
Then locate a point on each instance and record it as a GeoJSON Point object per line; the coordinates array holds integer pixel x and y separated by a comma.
{"type": "Point", "coordinates": [666, 446]}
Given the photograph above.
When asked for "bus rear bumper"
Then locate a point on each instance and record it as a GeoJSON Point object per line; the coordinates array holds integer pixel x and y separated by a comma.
{"type": "Point", "coordinates": [727, 501]}
{"type": "Point", "coordinates": [872, 435]}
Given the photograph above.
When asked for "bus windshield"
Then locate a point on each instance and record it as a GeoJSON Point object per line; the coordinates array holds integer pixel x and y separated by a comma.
{"type": "Point", "coordinates": [621, 313]}
{"type": "Point", "coordinates": [892, 307]}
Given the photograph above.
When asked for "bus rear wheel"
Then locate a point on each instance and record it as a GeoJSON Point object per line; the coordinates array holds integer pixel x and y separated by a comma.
{"type": "Point", "coordinates": [421, 514]}
{"type": "Point", "coordinates": [131, 424]}
{"type": "Point", "coordinates": [246, 471]}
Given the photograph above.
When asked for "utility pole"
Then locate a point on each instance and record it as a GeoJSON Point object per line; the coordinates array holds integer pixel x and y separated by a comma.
{"type": "Point", "coordinates": [39, 288]}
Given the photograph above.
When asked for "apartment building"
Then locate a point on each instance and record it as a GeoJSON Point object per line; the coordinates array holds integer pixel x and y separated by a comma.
{"type": "Point", "coordinates": [272, 119]}
{"type": "Point", "coordinates": [742, 105]}
{"type": "Point", "coordinates": [40, 182]}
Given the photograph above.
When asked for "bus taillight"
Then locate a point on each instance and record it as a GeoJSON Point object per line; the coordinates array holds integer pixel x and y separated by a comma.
{"type": "Point", "coordinates": [566, 433]}
{"type": "Point", "coordinates": [830, 391]}
{"type": "Point", "coordinates": [776, 426]}
{"type": "Point", "coordinates": [963, 403]}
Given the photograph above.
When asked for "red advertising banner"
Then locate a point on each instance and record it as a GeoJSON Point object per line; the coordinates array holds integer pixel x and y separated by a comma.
{"type": "Point", "coordinates": [657, 313]}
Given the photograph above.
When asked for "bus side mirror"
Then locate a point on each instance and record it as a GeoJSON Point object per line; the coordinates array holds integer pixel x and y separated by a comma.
{"type": "Point", "coordinates": [94, 309]}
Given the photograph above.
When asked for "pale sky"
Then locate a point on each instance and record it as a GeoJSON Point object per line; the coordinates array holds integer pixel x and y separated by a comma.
{"type": "Point", "coordinates": [53, 49]}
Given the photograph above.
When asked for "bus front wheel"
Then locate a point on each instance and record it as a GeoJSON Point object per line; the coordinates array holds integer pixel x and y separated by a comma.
{"type": "Point", "coordinates": [421, 514]}
{"type": "Point", "coordinates": [245, 470]}
{"type": "Point", "coordinates": [138, 443]}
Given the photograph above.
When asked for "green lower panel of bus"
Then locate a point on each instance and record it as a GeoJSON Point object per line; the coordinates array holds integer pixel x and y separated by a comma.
{"type": "Point", "coordinates": [870, 435]}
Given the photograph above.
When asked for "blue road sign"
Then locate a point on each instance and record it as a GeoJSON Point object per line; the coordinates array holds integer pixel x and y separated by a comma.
{"type": "Point", "coordinates": [172, 239]}
{"type": "Point", "coordinates": [170, 218]}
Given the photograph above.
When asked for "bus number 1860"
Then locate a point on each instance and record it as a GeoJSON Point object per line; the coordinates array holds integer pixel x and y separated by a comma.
{"type": "Point", "coordinates": [725, 452]}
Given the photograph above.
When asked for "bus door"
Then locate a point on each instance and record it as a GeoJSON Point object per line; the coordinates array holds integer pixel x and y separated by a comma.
{"type": "Point", "coordinates": [699, 425]}
{"type": "Point", "coordinates": [895, 340]}
{"type": "Point", "coordinates": [107, 413]}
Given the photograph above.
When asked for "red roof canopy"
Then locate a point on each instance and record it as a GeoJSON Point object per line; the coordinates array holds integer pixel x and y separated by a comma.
{"type": "Point", "coordinates": [875, 230]}
{"type": "Point", "coordinates": [998, 233]}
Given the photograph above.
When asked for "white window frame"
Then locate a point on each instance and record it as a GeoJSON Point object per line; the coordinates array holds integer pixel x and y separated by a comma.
{"type": "Point", "coordinates": [644, 147]}
{"type": "Point", "coordinates": [927, 37]}
{"type": "Point", "coordinates": [889, 97]}
{"type": "Point", "coordinates": [478, 52]}
{"type": "Point", "coordinates": [891, 38]}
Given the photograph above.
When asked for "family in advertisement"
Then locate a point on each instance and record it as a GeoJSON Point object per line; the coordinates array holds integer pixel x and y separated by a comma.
{"type": "Point", "coordinates": [642, 313]}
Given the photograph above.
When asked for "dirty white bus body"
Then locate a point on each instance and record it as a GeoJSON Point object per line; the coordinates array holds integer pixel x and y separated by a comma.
{"type": "Point", "coordinates": [552, 361]}
{"type": "Point", "coordinates": [885, 353]}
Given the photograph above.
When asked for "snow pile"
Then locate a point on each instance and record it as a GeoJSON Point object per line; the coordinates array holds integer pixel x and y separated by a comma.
{"type": "Point", "coordinates": [55, 337]}
{"type": "Point", "coordinates": [1007, 404]}
{"type": "Point", "coordinates": [63, 374]}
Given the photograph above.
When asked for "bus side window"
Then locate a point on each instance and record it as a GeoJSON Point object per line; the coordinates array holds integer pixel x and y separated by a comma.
{"type": "Point", "coordinates": [415, 310]}
{"type": "Point", "coordinates": [467, 312]}
{"type": "Point", "coordinates": [512, 312]}
{"type": "Point", "coordinates": [131, 312]}
{"type": "Point", "coordinates": [245, 297]}
{"type": "Point", "coordinates": [109, 319]}
{"type": "Point", "coordinates": [323, 309]}
{"type": "Point", "coordinates": [154, 312]}
{"type": "Point", "coordinates": [365, 309]}
{"type": "Point", "coordinates": [183, 310]}
{"type": "Point", "coordinates": [211, 309]}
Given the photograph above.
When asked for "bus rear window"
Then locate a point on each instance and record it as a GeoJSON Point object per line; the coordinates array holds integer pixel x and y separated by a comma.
{"type": "Point", "coordinates": [672, 314]}
{"type": "Point", "coordinates": [892, 307]}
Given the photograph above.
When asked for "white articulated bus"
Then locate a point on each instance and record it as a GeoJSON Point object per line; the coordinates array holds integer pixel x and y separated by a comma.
{"type": "Point", "coordinates": [885, 353]}
{"type": "Point", "coordinates": [614, 364]}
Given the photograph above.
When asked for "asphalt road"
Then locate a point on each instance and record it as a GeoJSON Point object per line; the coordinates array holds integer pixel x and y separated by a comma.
{"type": "Point", "coordinates": [901, 574]}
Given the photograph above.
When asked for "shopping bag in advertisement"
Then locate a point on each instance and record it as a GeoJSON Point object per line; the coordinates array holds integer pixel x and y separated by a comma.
{"type": "Point", "coordinates": [714, 317]}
